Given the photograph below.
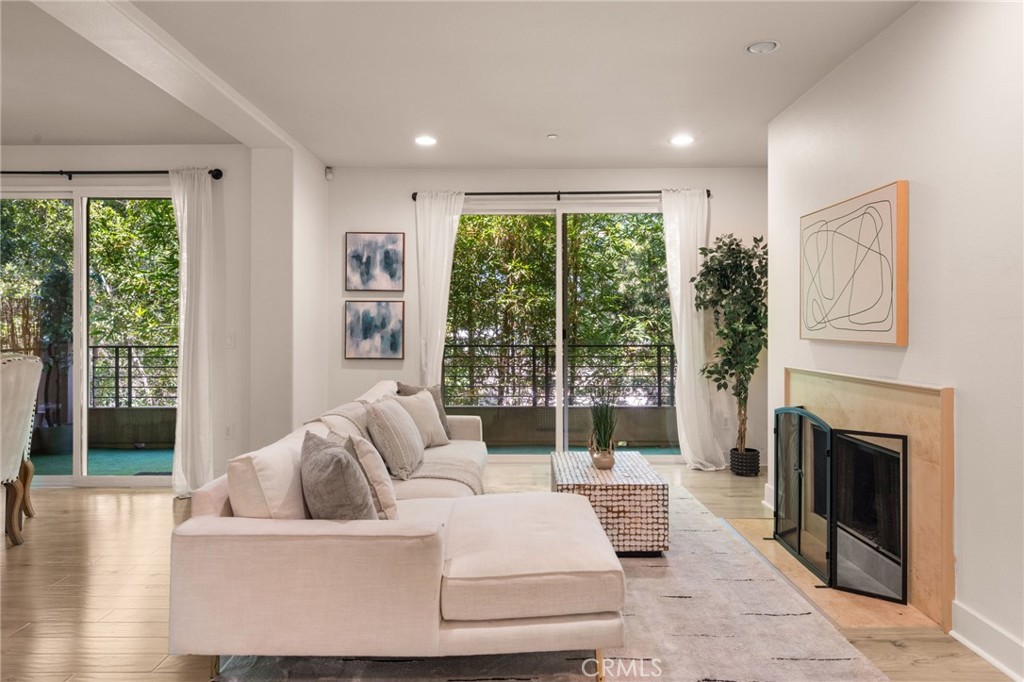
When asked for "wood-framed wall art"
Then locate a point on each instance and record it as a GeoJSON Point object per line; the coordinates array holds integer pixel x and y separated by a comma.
{"type": "Point", "coordinates": [375, 261]}
{"type": "Point", "coordinates": [374, 330]}
{"type": "Point", "coordinates": [854, 269]}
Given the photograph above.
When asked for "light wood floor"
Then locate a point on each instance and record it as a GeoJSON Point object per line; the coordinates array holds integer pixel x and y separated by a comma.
{"type": "Point", "coordinates": [85, 598]}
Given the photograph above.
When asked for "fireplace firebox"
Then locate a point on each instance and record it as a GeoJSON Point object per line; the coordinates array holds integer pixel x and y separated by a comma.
{"type": "Point", "coordinates": [841, 503]}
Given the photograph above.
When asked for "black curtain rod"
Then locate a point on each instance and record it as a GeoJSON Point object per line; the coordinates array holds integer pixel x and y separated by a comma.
{"type": "Point", "coordinates": [216, 173]}
{"type": "Point", "coordinates": [559, 195]}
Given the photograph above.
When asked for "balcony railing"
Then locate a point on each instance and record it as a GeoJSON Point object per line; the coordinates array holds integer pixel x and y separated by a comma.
{"type": "Point", "coordinates": [523, 375]}
{"type": "Point", "coordinates": [133, 376]}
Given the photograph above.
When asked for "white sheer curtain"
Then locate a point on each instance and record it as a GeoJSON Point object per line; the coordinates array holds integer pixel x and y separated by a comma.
{"type": "Point", "coordinates": [437, 224]}
{"type": "Point", "coordinates": [192, 195]}
{"type": "Point", "coordinates": [685, 214]}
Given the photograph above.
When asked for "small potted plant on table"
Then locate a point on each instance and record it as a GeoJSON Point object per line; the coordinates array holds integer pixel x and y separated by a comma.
{"type": "Point", "coordinates": [733, 284]}
{"type": "Point", "coordinates": [602, 447]}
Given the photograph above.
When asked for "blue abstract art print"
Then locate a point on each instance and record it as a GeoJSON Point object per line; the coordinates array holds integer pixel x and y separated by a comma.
{"type": "Point", "coordinates": [375, 261]}
{"type": "Point", "coordinates": [374, 330]}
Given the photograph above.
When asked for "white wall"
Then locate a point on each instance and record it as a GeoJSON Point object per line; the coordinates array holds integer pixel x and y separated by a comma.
{"type": "Point", "coordinates": [231, 207]}
{"type": "Point", "coordinates": [934, 99]}
{"type": "Point", "coordinates": [380, 200]}
{"type": "Point", "coordinates": [309, 264]}
{"type": "Point", "coordinates": [271, 296]}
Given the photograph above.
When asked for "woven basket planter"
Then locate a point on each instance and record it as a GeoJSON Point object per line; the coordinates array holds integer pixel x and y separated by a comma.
{"type": "Point", "coordinates": [746, 463]}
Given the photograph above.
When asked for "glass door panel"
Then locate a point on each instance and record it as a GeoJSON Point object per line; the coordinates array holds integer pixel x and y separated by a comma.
{"type": "Point", "coordinates": [500, 359]}
{"type": "Point", "coordinates": [37, 314]}
{"type": "Point", "coordinates": [618, 329]}
{"type": "Point", "coordinates": [132, 255]}
{"type": "Point", "coordinates": [802, 471]}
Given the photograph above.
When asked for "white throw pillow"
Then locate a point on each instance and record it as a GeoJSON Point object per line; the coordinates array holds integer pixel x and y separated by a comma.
{"type": "Point", "coordinates": [424, 413]}
{"type": "Point", "coordinates": [381, 487]}
{"type": "Point", "coordinates": [396, 437]}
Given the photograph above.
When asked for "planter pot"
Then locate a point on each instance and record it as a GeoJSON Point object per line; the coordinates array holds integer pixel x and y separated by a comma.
{"type": "Point", "coordinates": [602, 459]}
{"type": "Point", "coordinates": [746, 463]}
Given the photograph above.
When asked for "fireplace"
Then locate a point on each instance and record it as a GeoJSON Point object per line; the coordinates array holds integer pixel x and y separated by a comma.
{"type": "Point", "coordinates": [841, 503]}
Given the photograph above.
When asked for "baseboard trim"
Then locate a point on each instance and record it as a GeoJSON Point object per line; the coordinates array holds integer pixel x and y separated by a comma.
{"type": "Point", "coordinates": [769, 496]}
{"type": "Point", "coordinates": [990, 641]}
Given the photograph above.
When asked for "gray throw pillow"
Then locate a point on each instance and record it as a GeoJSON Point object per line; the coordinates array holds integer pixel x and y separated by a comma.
{"type": "Point", "coordinates": [396, 437]}
{"type": "Point", "coordinates": [333, 482]}
{"type": "Point", "coordinates": [435, 393]}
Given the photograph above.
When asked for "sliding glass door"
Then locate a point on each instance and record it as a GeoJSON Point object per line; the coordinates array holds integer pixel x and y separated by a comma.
{"type": "Point", "coordinates": [500, 361]}
{"type": "Point", "coordinates": [132, 288]}
{"type": "Point", "coordinates": [37, 262]}
{"type": "Point", "coordinates": [618, 329]}
{"type": "Point", "coordinates": [90, 285]}
{"type": "Point", "coordinates": [552, 312]}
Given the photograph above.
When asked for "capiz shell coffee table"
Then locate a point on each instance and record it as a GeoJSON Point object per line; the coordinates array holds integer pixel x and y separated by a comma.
{"type": "Point", "coordinates": [631, 499]}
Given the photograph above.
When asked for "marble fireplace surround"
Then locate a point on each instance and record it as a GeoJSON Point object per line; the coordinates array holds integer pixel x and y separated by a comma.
{"type": "Point", "coordinates": [925, 415]}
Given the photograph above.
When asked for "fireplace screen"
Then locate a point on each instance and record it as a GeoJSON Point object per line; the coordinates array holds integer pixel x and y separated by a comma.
{"type": "Point", "coordinates": [841, 503]}
{"type": "Point", "coordinates": [869, 472]}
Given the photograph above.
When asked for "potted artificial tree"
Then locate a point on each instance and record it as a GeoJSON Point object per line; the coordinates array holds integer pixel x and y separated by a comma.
{"type": "Point", "coordinates": [733, 284]}
{"type": "Point", "coordinates": [602, 447]}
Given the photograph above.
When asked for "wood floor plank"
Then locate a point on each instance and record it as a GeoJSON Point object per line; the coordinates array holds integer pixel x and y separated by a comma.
{"type": "Point", "coordinates": [99, 629]}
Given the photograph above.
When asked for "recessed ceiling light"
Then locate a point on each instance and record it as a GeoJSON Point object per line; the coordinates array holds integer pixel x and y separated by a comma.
{"type": "Point", "coordinates": [552, 136]}
{"type": "Point", "coordinates": [682, 140]}
{"type": "Point", "coordinates": [762, 47]}
{"type": "Point", "coordinates": [425, 141]}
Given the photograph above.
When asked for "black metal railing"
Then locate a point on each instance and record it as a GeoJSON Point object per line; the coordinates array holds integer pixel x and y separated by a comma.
{"type": "Point", "coordinates": [133, 376]}
{"type": "Point", "coordinates": [523, 375]}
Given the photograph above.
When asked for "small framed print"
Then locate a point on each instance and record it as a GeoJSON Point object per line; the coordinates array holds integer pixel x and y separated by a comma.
{"type": "Point", "coordinates": [374, 330]}
{"type": "Point", "coordinates": [375, 261]}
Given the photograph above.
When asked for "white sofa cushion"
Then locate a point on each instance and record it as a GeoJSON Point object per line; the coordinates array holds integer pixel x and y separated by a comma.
{"type": "Point", "coordinates": [347, 419]}
{"type": "Point", "coordinates": [416, 488]}
{"type": "Point", "coordinates": [396, 437]}
{"type": "Point", "coordinates": [550, 558]}
{"type": "Point", "coordinates": [424, 414]}
{"type": "Point", "coordinates": [266, 483]}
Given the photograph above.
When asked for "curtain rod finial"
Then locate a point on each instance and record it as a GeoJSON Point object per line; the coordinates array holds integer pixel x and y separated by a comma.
{"type": "Point", "coordinates": [216, 174]}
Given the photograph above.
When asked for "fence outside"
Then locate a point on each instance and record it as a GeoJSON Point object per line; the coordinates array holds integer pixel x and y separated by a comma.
{"type": "Point", "coordinates": [523, 375]}
{"type": "Point", "coordinates": [133, 376]}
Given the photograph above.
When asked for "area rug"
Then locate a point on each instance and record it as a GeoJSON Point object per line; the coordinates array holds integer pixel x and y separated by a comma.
{"type": "Point", "coordinates": [710, 610]}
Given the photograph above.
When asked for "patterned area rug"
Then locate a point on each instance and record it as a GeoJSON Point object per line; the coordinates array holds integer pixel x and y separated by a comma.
{"type": "Point", "coordinates": [710, 610]}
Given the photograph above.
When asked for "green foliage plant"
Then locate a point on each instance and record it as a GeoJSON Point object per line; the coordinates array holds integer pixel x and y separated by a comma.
{"type": "Point", "coordinates": [733, 284]}
{"type": "Point", "coordinates": [55, 307]}
{"type": "Point", "coordinates": [604, 419]}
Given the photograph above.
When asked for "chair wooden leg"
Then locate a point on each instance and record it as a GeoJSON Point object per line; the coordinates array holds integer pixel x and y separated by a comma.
{"type": "Point", "coordinates": [599, 655]}
{"type": "Point", "coordinates": [12, 519]}
{"type": "Point", "coordinates": [214, 667]}
{"type": "Point", "coordinates": [28, 470]}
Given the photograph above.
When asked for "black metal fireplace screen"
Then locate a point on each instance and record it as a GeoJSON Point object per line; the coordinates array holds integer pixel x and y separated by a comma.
{"type": "Point", "coordinates": [841, 503]}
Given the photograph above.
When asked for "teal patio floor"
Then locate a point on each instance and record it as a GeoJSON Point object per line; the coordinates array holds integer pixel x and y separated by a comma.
{"type": "Point", "coordinates": [104, 462]}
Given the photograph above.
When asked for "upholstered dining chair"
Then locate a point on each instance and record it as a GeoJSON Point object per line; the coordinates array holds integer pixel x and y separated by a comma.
{"type": "Point", "coordinates": [19, 384]}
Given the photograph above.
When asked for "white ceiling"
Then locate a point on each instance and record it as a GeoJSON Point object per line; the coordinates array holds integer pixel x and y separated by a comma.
{"type": "Point", "coordinates": [57, 88]}
{"type": "Point", "coordinates": [355, 82]}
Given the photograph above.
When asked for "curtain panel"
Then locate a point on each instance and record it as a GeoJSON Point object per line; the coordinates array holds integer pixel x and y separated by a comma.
{"type": "Point", "coordinates": [437, 224]}
{"type": "Point", "coordinates": [192, 196]}
{"type": "Point", "coordinates": [685, 215]}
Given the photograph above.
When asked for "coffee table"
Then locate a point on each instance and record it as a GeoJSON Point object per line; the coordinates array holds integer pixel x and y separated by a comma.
{"type": "Point", "coordinates": [630, 499]}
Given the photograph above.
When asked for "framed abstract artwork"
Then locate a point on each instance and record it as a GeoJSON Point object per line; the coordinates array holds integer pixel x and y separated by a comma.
{"type": "Point", "coordinates": [375, 261]}
{"type": "Point", "coordinates": [374, 330]}
{"type": "Point", "coordinates": [853, 269]}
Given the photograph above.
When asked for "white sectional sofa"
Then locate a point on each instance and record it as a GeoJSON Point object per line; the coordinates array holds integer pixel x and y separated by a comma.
{"type": "Point", "coordinates": [454, 574]}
